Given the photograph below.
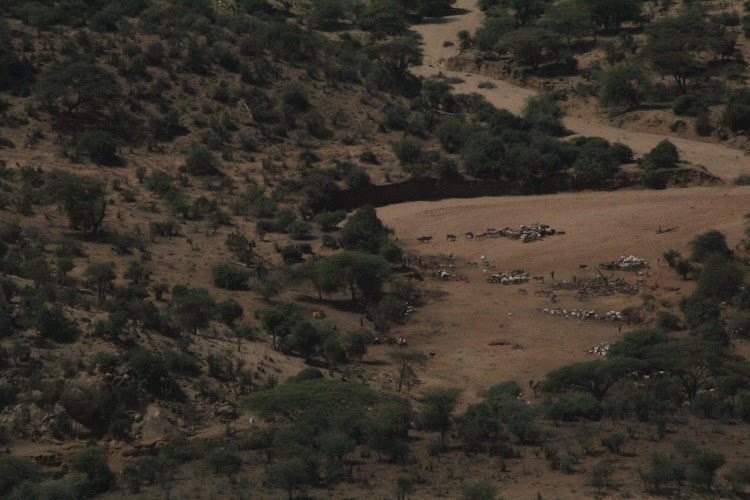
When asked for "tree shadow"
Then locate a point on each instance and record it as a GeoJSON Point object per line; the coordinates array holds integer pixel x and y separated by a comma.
{"type": "Point", "coordinates": [337, 304]}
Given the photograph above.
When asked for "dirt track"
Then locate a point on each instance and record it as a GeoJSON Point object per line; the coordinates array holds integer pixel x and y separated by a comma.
{"type": "Point", "coordinates": [722, 161]}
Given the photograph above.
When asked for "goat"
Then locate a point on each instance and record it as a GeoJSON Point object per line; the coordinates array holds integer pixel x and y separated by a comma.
{"type": "Point", "coordinates": [582, 267]}
{"type": "Point", "coordinates": [450, 237]}
{"type": "Point", "coordinates": [469, 235]}
{"type": "Point", "coordinates": [523, 291]}
{"type": "Point", "coordinates": [424, 239]}
{"type": "Point", "coordinates": [539, 278]}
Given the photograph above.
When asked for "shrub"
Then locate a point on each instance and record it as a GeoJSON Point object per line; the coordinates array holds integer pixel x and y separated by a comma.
{"type": "Point", "coordinates": [14, 470]}
{"type": "Point", "coordinates": [408, 150]}
{"type": "Point", "coordinates": [328, 221]}
{"type": "Point", "coordinates": [92, 462]}
{"type": "Point", "coordinates": [668, 321]}
{"type": "Point", "coordinates": [664, 155]}
{"type": "Point", "coordinates": [703, 125]}
{"type": "Point", "coordinates": [230, 276]}
{"type": "Point", "coordinates": [224, 460]}
{"type": "Point", "coordinates": [201, 162]}
{"type": "Point", "coordinates": [614, 442]}
{"type": "Point", "coordinates": [710, 242]}
{"type": "Point", "coordinates": [368, 156]}
{"type": "Point", "coordinates": [291, 254]}
{"type": "Point", "coordinates": [481, 490]}
{"type": "Point", "coordinates": [357, 178]}
{"type": "Point", "coordinates": [688, 105]}
{"type": "Point", "coordinates": [54, 325]}
{"type": "Point", "coordinates": [229, 311]}
{"type": "Point", "coordinates": [299, 230]}
{"type": "Point", "coordinates": [99, 146]}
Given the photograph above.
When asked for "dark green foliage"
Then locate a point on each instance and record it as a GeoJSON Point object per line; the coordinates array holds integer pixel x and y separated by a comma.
{"type": "Point", "coordinates": [621, 86]}
{"type": "Point", "coordinates": [82, 198]}
{"type": "Point", "coordinates": [531, 46]}
{"type": "Point", "coordinates": [224, 460]}
{"type": "Point", "coordinates": [230, 276]}
{"type": "Point", "coordinates": [99, 146]}
{"type": "Point", "coordinates": [307, 374]}
{"type": "Point", "coordinates": [438, 404]}
{"type": "Point", "coordinates": [193, 308]}
{"type": "Point", "coordinates": [92, 462]}
{"type": "Point", "coordinates": [364, 231]}
{"type": "Point", "coordinates": [664, 155]}
{"type": "Point", "coordinates": [668, 321]}
{"type": "Point", "coordinates": [739, 324]}
{"type": "Point", "coordinates": [329, 221]}
{"type": "Point", "coordinates": [689, 105]}
{"type": "Point", "coordinates": [480, 490]}
{"type": "Point", "coordinates": [361, 274]}
{"type": "Point", "coordinates": [229, 311]}
{"type": "Point", "coordinates": [101, 276]}
{"type": "Point", "coordinates": [54, 325]}
{"type": "Point", "coordinates": [201, 162]}
{"type": "Point", "coordinates": [151, 375]}
{"type": "Point", "coordinates": [708, 243]}
{"type": "Point", "coordinates": [720, 278]}
{"type": "Point", "coordinates": [293, 474]}
{"type": "Point", "coordinates": [292, 254]}
{"type": "Point", "coordinates": [614, 442]}
{"type": "Point", "coordinates": [736, 115]}
{"type": "Point", "coordinates": [15, 470]}
{"type": "Point", "coordinates": [574, 408]}
{"type": "Point", "coordinates": [596, 164]}
{"type": "Point", "coordinates": [698, 309]}
{"type": "Point", "coordinates": [78, 88]}
{"type": "Point", "coordinates": [594, 377]}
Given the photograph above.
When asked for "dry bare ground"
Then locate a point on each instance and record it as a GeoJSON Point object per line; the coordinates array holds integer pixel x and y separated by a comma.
{"type": "Point", "coordinates": [720, 160]}
{"type": "Point", "coordinates": [598, 227]}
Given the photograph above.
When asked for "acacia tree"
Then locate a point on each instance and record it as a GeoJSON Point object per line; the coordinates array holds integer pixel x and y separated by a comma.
{"type": "Point", "coordinates": [82, 198]}
{"type": "Point", "coordinates": [101, 276]}
{"type": "Point", "coordinates": [193, 308]}
{"type": "Point", "coordinates": [595, 377]}
{"type": "Point", "coordinates": [363, 275]}
{"type": "Point", "coordinates": [674, 45]}
{"type": "Point", "coordinates": [78, 87]}
{"type": "Point", "coordinates": [622, 86]}
{"type": "Point", "coordinates": [405, 362]}
{"type": "Point", "coordinates": [439, 403]}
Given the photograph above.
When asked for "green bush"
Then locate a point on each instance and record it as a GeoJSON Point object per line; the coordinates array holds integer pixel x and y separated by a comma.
{"type": "Point", "coordinates": [708, 243]}
{"type": "Point", "coordinates": [92, 462]}
{"type": "Point", "coordinates": [15, 470]}
{"type": "Point", "coordinates": [99, 146]}
{"type": "Point", "coordinates": [230, 276]}
{"type": "Point", "coordinates": [300, 230]}
{"type": "Point", "coordinates": [328, 221]}
{"type": "Point", "coordinates": [201, 162]}
{"type": "Point", "coordinates": [224, 460]}
{"type": "Point", "coordinates": [668, 321]}
{"type": "Point", "coordinates": [664, 155]}
{"type": "Point", "coordinates": [229, 311]}
{"type": "Point", "coordinates": [291, 254]}
{"type": "Point", "coordinates": [689, 105]}
{"type": "Point", "coordinates": [408, 150]}
{"type": "Point", "coordinates": [54, 325]}
{"type": "Point", "coordinates": [368, 156]}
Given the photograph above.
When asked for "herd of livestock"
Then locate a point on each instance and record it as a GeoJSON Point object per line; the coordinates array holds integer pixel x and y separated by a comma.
{"type": "Point", "coordinates": [526, 234]}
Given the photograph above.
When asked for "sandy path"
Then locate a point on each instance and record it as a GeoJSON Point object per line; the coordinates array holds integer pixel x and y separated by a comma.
{"type": "Point", "coordinates": [722, 161]}
{"type": "Point", "coordinates": [459, 326]}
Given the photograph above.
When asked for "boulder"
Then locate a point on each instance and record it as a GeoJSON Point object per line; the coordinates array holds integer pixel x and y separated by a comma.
{"type": "Point", "coordinates": [88, 400]}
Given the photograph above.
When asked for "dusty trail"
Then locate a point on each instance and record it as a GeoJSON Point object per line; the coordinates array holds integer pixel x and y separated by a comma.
{"type": "Point", "coordinates": [722, 161]}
